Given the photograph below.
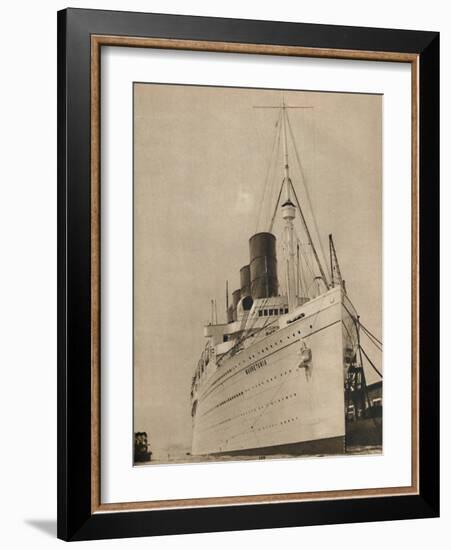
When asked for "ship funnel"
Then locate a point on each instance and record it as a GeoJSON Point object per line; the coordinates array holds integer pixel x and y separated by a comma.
{"type": "Point", "coordinates": [230, 312]}
{"type": "Point", "coordinates": [236, 296]}
{"type": "Point", "coordinates": [245, 281]}
{"type": "Point", "coordinates": [263, 266]}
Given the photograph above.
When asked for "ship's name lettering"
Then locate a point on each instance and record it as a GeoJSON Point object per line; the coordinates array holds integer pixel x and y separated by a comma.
{"type": "Point", "coordinates": [255, 366]}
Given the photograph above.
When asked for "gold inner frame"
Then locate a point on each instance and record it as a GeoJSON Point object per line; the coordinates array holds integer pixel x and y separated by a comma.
{"type": "Point", "coordinates": [97, 41]}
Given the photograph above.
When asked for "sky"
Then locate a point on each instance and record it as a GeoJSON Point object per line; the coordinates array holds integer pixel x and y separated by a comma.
{"type": "Point", "coordinates": [203, 187]}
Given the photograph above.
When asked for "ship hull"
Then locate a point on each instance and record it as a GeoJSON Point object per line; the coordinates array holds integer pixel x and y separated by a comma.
{"type": "Point", "coordinates": [329, 446]}
{"type": "Point", "coordinates": [265, 400]}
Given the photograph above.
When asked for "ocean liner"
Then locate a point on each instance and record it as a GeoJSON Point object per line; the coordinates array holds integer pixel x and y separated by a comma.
{"type": "Point", "coordinates": [284, 374]}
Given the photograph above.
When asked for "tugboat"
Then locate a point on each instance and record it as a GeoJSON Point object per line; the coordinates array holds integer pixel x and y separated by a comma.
{"type": "Point", "coordinates": [141, 448]}
{"type": "Point", "coordinates": [284, 374]}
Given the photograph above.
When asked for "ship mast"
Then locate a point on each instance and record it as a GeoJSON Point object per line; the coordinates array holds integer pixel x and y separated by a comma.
{"type": "Point", "coordinates": [289, 214]}
{"type": "Point", "coordinates": [289, 211]}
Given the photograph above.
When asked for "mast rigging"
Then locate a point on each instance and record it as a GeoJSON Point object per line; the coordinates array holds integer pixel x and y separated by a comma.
{"type": "Point", "coordinates": [289, 209]}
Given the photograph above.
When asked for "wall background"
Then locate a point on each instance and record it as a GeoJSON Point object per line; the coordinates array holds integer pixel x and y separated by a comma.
{"type": "Point", "coordinates": [28, 274]}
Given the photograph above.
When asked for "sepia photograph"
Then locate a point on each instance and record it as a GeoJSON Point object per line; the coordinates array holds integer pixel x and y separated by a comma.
{"type": "Point", "coordinates": [257, 274]}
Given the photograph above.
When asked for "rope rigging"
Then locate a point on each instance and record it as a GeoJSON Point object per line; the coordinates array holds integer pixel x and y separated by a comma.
{"type": "Point", "coordinates": [375, 344]}
{"type": "Point", "coordinates": [270, 168]}
{"type": "Point", "coordinates": [365, 329]}
{"type": "Point", "coordinates": [245, 336]}
{"type": "Point", "coordinates": [275, 209]}
{"type": "Point", "coordinates": [358, 325]}
{"type": "Point", "coordinates": [304, 183]}
{"type": "Point", "coordinates": [370, 335]}
{"type": "Point", "coordinates": [320, 267]}
{"type": "Point", "coordinates": [370, 362]}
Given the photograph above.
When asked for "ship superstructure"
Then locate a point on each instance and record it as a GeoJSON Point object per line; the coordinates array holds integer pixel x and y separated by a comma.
{"type": "Point", "coordinates": [281, 375]}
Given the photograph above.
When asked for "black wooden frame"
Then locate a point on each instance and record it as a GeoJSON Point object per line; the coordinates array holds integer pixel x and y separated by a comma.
{"type": "Point", "coordinates": [75, 520]}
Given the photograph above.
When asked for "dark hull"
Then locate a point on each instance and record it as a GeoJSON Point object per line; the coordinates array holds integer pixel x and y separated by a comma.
{"type": "Point", "coordinates": [329, 446]}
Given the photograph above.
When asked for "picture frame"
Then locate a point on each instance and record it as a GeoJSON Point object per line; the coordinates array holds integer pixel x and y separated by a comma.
{"type": "Point", "coordinates": [81, 36]}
